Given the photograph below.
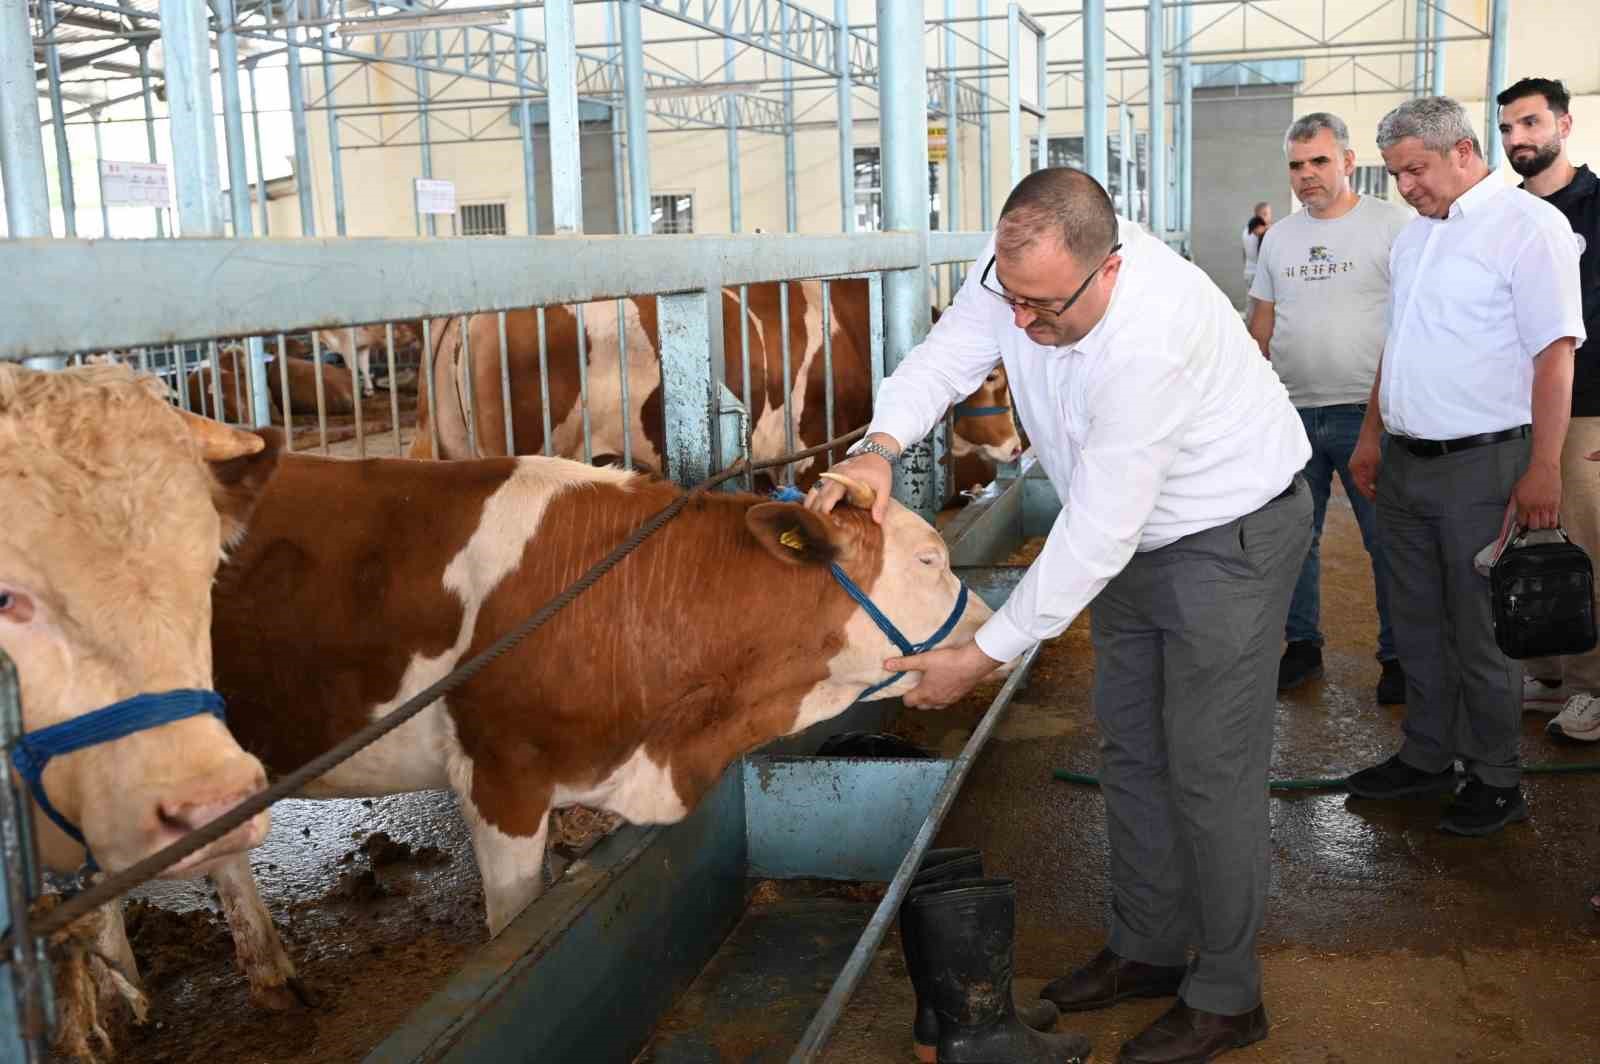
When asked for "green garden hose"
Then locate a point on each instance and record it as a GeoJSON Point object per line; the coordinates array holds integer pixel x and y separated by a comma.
{"type": "Point", "coordinates": [1336, 783]}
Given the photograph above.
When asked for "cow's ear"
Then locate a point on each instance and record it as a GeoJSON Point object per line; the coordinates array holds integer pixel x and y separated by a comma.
{"type": "Point", "coordinates": [791, 533]}
{"type": "Point", "coordinates": [237, 483]}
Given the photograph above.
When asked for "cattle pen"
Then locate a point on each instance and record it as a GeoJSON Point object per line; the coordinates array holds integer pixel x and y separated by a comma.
{"type": "Point", "coordinates": [367, 324]}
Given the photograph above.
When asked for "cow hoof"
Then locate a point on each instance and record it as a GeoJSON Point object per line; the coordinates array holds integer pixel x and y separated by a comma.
{"type": "Point", "coordinates": [291, 994]}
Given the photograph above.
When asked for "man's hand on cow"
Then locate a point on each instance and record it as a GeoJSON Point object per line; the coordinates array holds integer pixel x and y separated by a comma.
{"type": "Point", "coordinates": [870, 469]}
{"type": "Point", "coordinates": [1538, 496]}
{"type": "Point", "coordinates": [947, 674]}
{"type": "Point", "coordinates": [1364, 462]}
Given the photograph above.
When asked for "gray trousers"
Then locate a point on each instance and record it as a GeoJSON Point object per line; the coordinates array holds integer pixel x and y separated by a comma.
{"type": "Point", "coordinates": [1186, 642]}
{"type": "Point", "coordinates": [1463, 696]}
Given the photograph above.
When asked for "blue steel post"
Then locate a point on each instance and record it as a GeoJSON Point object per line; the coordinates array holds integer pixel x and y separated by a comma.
{"type": "Point", "coordinates": [638, 121]}
{"type": "Point", "coordinates": [1441, 9]}
{"type": "Point", "coordinates": [842, 88]}
{"type": "Point", "coordinates": [903, 105]}
{"type": "Point", "coordinates": [99, 155]}
{"type": "Point", "coordinates": [58, 117]}
{"type": "Point", "coordinates": [1419, 51]}
{"type": "Point", "coordinates": [424, 131]}
{"type": "Point", "coordinates": [985, 141]}
{"type": "Point", "coordinates": [1042, 96]}
{"type": "Point", "coordinates": [618, 178]}
{"type": "Point", "coordinates": [1130, 172]}
{"type": "Point", "coordinates": [1499, 34]}
{"type": "Point", "coordinates": [329, 102]}
{"type": "Point", "coordinates": [1185, 127]}
{"type": "Point", "coordinates": [26, 985]}
{"type": "Point", "coordinates": [1094, 91]}
{"type": "Point", "coordinates": [186, 48]}
{"type": "Point", "coordinates": [1156, 48]}
{"type": "Point", "coordinates": [232, 117]}
{"type": "Point", "coordinates": [261, 162]}
{"type": "Point", "coordinates": [952, 136]}
{"type": "Point", "coordinates": [735, 185]}
{"type": "Point", "coordinates": [791, 197]}
{"type": "Point", "coordinates": [150, 128]}
{"type": "Point", "coordinates": [1014, 91]}
{"type": "Point", "coordinates": [530, 193]}
{"type": "Point", "coordinates": [21, 148]}
{"type": "Point", "coordinates": [566, 194]}
{"type": "Point", "coordinates": [297, 117]}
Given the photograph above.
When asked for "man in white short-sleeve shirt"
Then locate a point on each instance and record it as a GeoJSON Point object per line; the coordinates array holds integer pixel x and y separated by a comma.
{"type": "Point", "coordinates": [1319, 309]}
{"type": "Point", "coordinates": [1176, 454]}
{"type": "Point", "coordinates": [1475, 391]}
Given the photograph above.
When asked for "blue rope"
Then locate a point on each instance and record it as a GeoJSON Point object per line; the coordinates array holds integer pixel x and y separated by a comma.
{"type": "Point", "coordinates": [32, 751]}
{"type": "Point", "coordinates": [963, 410]}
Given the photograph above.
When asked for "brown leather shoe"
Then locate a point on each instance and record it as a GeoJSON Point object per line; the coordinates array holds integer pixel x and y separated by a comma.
{"type": "Point", "coordinates": [1110, 978]}
{"type": "Point", "coordinates": [1190, 1036]}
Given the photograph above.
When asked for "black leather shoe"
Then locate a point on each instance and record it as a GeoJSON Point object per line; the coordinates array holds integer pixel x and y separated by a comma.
{"type": "Point", "coordinates": [1189, 1036]}
{"type": "Point", "coordinates": [1110, 978]}
{"type": "Point", "coordinates": [1392, 685]}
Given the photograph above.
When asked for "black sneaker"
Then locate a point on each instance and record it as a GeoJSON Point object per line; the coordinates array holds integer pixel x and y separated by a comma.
{"type": "Point", "coordinates": [1392, 685]}
{"type": "Point", "coordinates": [1480, 809]}
{"type": "Point", "coordinates": [1301, 661]}
{"type": "Point", "coordinates": [1396, 779]}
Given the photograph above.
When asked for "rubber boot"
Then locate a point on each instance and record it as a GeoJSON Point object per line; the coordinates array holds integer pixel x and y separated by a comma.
{"type": "Point", "coordinates": [939, 866]}
{"type": "Point", "coordinates": [964, 930]}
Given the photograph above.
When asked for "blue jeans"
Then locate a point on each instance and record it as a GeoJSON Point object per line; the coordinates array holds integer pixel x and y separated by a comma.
{"type": "Point", "coordinates": [1333, 432]}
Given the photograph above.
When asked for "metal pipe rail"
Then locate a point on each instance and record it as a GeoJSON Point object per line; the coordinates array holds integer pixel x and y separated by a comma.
{"type": "Point", "coordinates": [169, 291]}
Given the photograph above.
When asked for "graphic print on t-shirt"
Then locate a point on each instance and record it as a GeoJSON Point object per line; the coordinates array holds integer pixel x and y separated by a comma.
{"type": "Point", "coordinates": [1320, 264]}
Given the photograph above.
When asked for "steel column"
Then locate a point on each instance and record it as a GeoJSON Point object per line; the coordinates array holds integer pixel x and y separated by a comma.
{"type": "Point", "coordinates": [150, 130]}
{"type": "Point", "coordinates": [530, 192]}
{"type": "Point", "coordinates": [690, 344]}
{"type": "Point", "coordinates": [232, 116]}
{"type": "Point", "coordinates": [424, 130]}
{"type": "Point", "coordinates": [952, 132]}
{"type": "Point", "coordinates": [985, 144]}
{"type": "Point", "coordinates": [58, 117]}
{"type": "Point", "coordinates": [1014, 90]}
{"type": "Point", "coordinates": [1419, 51]}
{"type": "Point", "coordinates": [186, 48]}
{"type": "Point", "coordinates": [297, 117]}
{"type": "Point", "coordinates": [1094, 92]}
{"type": "Point", "coordinates": [735, 184]}
{"type": "Point", "coordinates": [331, 104]}
{"type": "Point", "coordinates": [1185, 128]}
{"type": "Point", "coordinates": [791, 196]}
{"type": "Point", "coordinates": [261, 162]}
{"type": "Point", "coordinates": [1499, 36]}
{"type": "Point", "coordinates": [21, 145]}
{"type": "Point", "coordinates": [1130, 170]}
{"type": "Point", "coordinates": [903, 107]}
{"type": "Point", "coordinates": [847, 152]}
{"type": "Point", "coordinates": [1440, 12]}
{"type": "Point", "coordinates": [99, 155]}
{"type": "Point", "coordinates": [619, 183]}
{"type": "Point", "coordinates": [1042, 90]}
{"type": "Point", "coordinates": [1155, 31]}
{"type": "Point", "coordinates": [566, 189]}
{"type": "Point", "coordinates": [638, 120]}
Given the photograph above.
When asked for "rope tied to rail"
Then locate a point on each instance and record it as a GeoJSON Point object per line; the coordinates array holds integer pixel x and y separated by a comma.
{"type": "Point", "coordinates": [117, 884]}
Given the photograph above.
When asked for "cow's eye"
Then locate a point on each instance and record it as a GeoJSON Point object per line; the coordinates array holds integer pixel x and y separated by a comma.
{"type": "Point", "coordinates": [15, 606]}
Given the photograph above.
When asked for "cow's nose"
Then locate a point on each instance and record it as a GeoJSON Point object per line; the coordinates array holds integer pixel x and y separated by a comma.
{"type": "Point", "coordinates": [1016, 452]}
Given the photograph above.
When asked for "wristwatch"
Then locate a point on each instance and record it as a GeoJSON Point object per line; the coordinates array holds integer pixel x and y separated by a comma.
{"type": "Point", "coordinates": [866, 446]}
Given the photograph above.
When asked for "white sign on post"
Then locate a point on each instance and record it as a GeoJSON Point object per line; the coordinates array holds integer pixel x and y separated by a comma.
{"type": "Point", "coordinates": [435, 196]}
{"type": "Point", "coordinates": [134, 184]}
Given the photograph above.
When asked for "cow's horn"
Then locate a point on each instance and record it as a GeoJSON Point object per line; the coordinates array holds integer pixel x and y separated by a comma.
{"type": "Point", "coordinates": [218, 442]}
{"type": "Point", "coordinates": [855, 492]}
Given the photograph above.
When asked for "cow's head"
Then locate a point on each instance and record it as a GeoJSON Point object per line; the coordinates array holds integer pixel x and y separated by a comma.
{"type": "Point", "coordinates": [902, 566]}
{"type": "Point", "coordinates": [984, 424]}
{"type": "Point", "coordinates": [118, 508]}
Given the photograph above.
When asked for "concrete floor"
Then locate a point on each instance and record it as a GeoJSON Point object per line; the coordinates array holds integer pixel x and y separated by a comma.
{"type": "Point", "coordinates": [1386, 939]}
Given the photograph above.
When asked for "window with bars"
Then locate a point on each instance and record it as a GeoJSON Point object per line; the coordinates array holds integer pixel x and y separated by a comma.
{"type": "Point", "coordinates": [672, 212]}
{"type": "Point", "coordinates": [869, 191]}
{"type": "Point", "coordinates": [482, 219]}
{"type": "Point", "coordinates": [1371, 181]}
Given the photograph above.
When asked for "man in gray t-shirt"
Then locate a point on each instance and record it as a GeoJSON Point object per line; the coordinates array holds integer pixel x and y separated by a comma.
{"type": "Point", "coordinates": [1318, 308]}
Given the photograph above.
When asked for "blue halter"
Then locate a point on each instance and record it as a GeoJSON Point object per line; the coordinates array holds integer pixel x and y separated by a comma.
{"type": "Point", "coordinates": [32, 751]}
{"type": "Point", "coordinates": [963, 410]}
{"type": "Point", "coordinates": [885, 625]}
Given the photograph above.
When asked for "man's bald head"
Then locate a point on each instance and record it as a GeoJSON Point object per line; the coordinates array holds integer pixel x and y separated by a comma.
{"type": "Point", "coordinates": [1064, 205]}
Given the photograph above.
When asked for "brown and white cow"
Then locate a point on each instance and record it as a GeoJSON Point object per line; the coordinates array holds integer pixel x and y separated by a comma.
{"type": "Point", "coordinates": [989, 431]}
{"type": "Point", "coordinates": [338, 387]}
{"type": "Point", "coordinates": [725, 630]}
{"type": "Point", "coordinates": [357, 344]}
{"type": "Point", "coordinates": [117, 511]}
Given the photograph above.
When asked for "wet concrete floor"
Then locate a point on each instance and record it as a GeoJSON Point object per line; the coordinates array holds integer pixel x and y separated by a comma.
{"type": "Point", "coordinates": [1386, 939]}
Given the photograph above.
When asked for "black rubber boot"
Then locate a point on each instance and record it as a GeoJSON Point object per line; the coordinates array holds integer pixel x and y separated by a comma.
{"type": "Point", "coordinates": [940, 866]}
{"type": "Point", "coordinates": [964, 931]}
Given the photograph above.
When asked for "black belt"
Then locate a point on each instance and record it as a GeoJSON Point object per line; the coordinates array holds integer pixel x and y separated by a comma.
{"type": "Point", "coordinates": [1439, 448]}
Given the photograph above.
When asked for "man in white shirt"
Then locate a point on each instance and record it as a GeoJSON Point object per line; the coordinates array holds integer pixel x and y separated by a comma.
{"type": "Point", "coordinates": [1176, 454]}
{"type": "Point", "coordinates": [1319, 310]}
{"type": "Point", "coordinates": [1475, 391]}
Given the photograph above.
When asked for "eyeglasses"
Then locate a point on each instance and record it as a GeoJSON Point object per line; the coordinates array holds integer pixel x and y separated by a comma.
{"type": "Point", "coordinates": [1044, 310]}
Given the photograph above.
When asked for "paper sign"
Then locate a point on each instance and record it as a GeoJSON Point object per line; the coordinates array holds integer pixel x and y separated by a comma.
{"type": "Point", "coordinates": [134, 184]}
{"type": "Point", "coordinates": [435, 196]}
{"type": "Point", "coordinates": [938, 144]}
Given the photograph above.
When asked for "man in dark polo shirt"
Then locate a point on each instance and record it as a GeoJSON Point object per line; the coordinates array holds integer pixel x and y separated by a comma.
{"type": "Point", "coordinates": [1534, 126]}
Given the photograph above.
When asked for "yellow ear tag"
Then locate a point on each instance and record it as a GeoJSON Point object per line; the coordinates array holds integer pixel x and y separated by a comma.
{"type": "Point", "coordinates": [792, 539]}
